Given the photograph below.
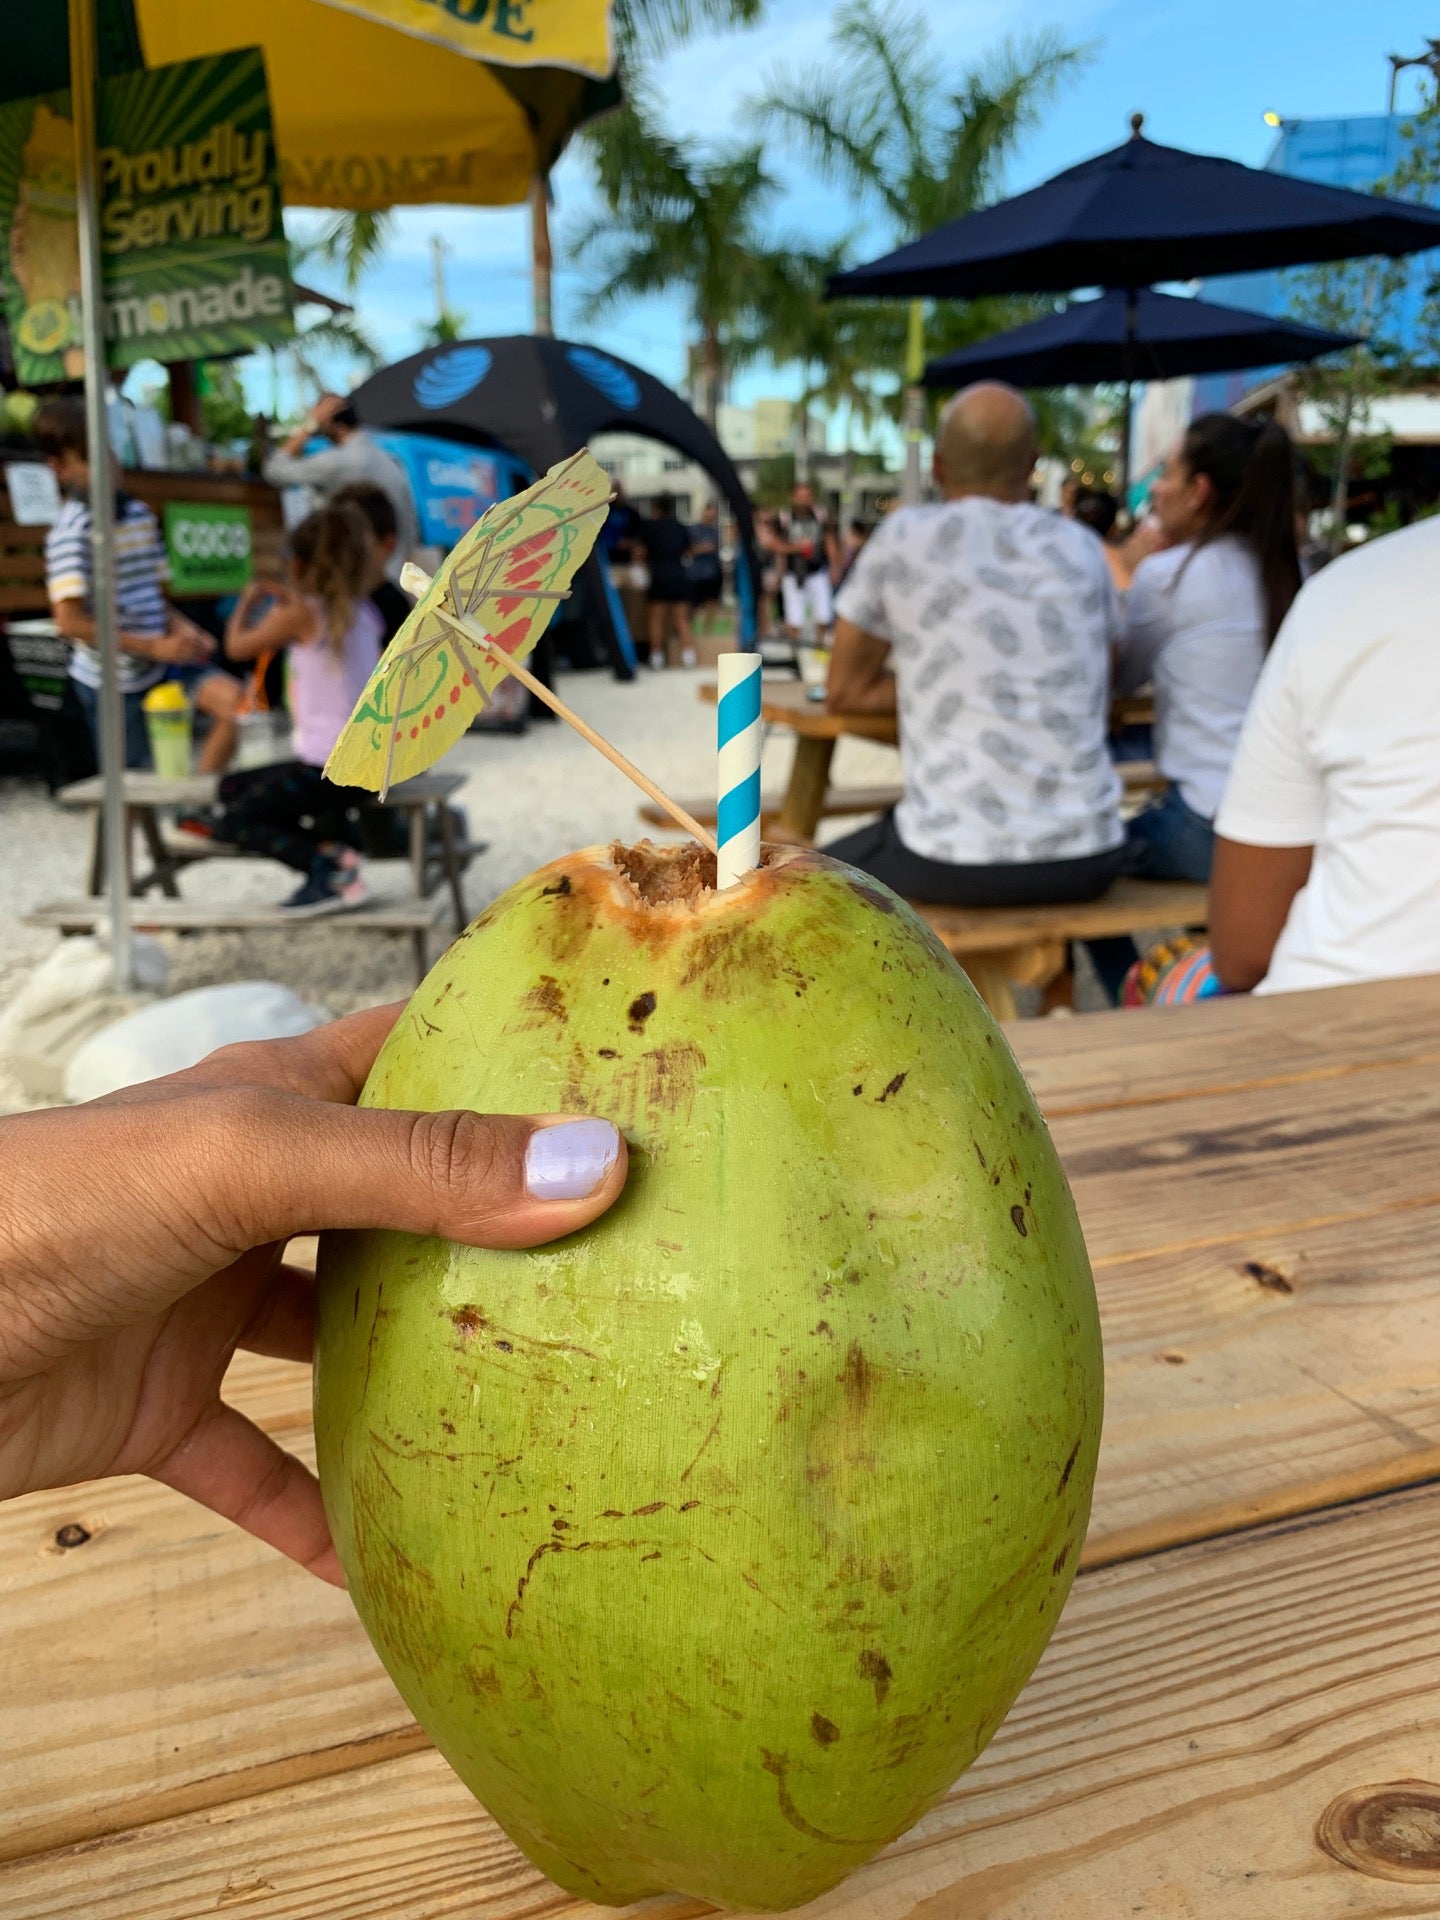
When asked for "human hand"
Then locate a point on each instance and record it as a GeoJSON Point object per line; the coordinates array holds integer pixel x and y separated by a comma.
{"type": "Point", "coordinates": [183, 644]}
{"type": "Point", "coordinates": [324, 411]}
{"type": "Point", "coordinates": [273, 592]}
{"type": "Point", "coordinates": [142, 1245]}
{"type": "Point", "coordinates": [1148, 537]}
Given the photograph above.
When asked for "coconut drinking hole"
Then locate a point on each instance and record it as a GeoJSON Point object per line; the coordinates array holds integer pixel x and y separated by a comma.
{"type": "Point", "coordinates": [669, 876]}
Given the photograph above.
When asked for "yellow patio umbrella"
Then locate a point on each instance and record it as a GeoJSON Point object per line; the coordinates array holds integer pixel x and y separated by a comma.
{"type": "Point", "coordinates": [372, 107]}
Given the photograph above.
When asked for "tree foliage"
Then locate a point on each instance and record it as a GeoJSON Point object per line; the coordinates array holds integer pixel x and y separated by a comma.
{"type": "Point", "coordinates": [915, 146]}
{"type": "Point", "coordinates": [883, 120]}
{"type": "Point", "coordinates": [645, 28]}
{"type": "Point", "coordinates": [1365, 297]}
{"type": "Point", "coordinates": [676, 215]}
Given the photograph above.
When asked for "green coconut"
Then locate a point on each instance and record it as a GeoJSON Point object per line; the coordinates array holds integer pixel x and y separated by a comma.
{"type": "Point", "coordinates": [711, 1544]}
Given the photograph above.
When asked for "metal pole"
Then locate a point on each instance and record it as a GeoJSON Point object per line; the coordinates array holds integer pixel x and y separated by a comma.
{"type": "Point", "coordinates": [84, 78]}
{"type": "Point", "coordinates": [1123, 462]}
{"type": "Point", "coordinates": [437, 268]}
{"type": "Point", "coordinates": [914, 415]}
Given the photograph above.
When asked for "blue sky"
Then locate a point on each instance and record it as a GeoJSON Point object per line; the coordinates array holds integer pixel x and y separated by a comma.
{"type": "Point", "coordinates": [1204, 72]}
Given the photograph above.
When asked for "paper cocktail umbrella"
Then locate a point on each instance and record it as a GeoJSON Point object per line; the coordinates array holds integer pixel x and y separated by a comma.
{"type": "Point", "coordinates": [502, 580]}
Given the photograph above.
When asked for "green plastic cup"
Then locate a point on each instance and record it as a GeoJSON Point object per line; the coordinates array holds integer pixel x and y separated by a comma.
{"type": "Point", "coordinates": [169, 723]}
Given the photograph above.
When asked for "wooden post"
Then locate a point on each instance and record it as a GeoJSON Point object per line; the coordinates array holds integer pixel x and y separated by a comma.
{"type": "Point", "coordinates": [185, 405]}
{"type": "Point", "coordinates": [541, 259]}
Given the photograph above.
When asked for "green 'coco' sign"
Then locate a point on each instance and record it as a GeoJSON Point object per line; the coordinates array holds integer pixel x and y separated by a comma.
{"type": "Point", "coordinates": [209, 548]}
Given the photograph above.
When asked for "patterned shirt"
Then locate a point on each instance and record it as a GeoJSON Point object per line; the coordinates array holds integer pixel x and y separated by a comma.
{"type": "Point", "coordinates": [139, 583]}
{"type": "Point", "coordinates": [1000, 619]}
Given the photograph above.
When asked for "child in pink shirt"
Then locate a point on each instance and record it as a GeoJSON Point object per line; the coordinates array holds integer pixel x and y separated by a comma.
{"type": "Point", "coordinates": [331, 634]}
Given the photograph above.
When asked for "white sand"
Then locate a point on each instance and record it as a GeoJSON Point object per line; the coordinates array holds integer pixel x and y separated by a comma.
{"type": "Point", "coordinates": [532, 797]}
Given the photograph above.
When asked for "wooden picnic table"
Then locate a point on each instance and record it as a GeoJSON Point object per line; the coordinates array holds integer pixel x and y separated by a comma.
{"type": "Point", "coordinates": [422, 801]}
{"type": "Point", "coordinates": [1239, 1714]}
{"type": "Point", "coordinates": [808, 793]}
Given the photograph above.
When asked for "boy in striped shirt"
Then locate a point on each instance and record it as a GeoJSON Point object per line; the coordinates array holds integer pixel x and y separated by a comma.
{"type": "Point", "coordinates": [155, 641]}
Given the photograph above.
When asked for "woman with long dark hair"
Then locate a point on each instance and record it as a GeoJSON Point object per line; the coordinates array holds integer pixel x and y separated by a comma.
{"type": "Point", "coordinates": [1199, 619]}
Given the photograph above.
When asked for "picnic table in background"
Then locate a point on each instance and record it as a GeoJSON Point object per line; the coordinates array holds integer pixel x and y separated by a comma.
{"type": "Point", "coordinates": [436, 853]}
{"type": "Point", "coordinates": [437, 856]}
{"type": "Point", "coordinates": [1235, 1721]}
{"type": "Point", "coordinates": [809, 797]}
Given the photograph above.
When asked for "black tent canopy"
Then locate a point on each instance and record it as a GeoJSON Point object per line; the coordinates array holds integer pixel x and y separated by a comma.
{"type": "Point", "coordinates": [542, 399]}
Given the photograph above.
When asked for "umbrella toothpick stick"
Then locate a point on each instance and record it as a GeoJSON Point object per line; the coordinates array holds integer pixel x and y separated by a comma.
{"type": "Point", "coordinates": [477, 637]}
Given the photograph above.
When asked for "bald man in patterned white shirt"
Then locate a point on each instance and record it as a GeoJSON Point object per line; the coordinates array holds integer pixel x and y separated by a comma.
{"type": "Point", "coordinates": [987, 622]}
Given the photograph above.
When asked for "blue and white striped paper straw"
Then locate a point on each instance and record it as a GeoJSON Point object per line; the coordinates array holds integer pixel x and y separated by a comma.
{"type": "Point", "coordinates": [737, 820]}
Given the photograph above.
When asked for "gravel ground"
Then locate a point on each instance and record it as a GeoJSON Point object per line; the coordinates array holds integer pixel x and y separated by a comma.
{"type": "Point", "coordinates": [531, 797]}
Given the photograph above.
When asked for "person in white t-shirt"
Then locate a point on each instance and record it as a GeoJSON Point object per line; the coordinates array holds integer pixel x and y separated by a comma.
{"type": "Point", "coordinates": [1199, 618]}
{"type": "Point", "coordinates": [987, 622]}
{"type": "Point", "coordinates": [1327, 856]}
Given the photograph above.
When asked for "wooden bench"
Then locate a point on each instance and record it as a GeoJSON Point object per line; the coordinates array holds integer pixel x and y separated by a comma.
{"type": "Point", "coordinates": [1002, 948]}
{"type": "Point", "coordinates": [423, 801]}
{"type": "Point", "coordinates": [1136, 776]}
{"type": "Point", "coordinates": [415, 917]}
{"type": "Point", "coordinates": [837, 800]}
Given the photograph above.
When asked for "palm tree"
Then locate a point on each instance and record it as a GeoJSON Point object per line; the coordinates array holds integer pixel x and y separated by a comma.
{"type": "Point", "coordinates": [645, 28]}
{"type": "Point", "coordinates": [354, 242]}
{"type": "Point", "coordinates": [678, 215]}
{"type": "Point", "coordinates": [311, 348]}
{"type": "Point", "coordinates": [446, 327]}
{"type": "Point", "coordinates": [838, 345]}
{"type": "Point", "coordinates": [334, 332]}
{"type": "Point", "coordinates": [913, 144]}
{"type": "Point", "coordinates": [886, 123]}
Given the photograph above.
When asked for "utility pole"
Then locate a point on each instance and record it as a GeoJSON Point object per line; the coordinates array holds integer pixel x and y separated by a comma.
{"type": "Point", "coordinates": [439, 247]}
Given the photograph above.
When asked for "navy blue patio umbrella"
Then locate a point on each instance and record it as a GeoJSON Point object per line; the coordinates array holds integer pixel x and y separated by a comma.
{"type": "Point", "coordinates": [1140, 336]}
{"type": "Point", "coordinates": [1139, 214]}
{"type": "Point", "coordinates": [1135, 215]}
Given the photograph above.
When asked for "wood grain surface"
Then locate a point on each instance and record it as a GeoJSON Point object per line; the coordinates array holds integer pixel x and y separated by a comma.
{"type": "Point", "coordinates": [189, 1724]}
{"type": "Point", "coordinates": [1193, 1718]}
{"type": "Point", "coordinates": [1221, 1046]}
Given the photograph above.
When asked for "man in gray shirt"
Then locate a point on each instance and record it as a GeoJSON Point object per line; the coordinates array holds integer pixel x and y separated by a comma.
{"type": "Point", "coordinates": [987, 623]}
{"type": "Point", "coordinates": [351, 456]}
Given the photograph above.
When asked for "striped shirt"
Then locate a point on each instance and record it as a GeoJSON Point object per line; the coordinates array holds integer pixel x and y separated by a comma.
{"type": "Point", "coordinates": [139, 583]}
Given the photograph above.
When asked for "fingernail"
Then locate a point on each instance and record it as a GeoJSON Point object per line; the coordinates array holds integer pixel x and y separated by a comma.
{"type": "Point", "coordinates": [569, 1160]}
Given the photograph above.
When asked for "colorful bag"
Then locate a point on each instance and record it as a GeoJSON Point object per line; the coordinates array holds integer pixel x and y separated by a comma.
{"type": "Point", "coordinates": [264, 735]}
{"type": "Point", "coordinates": [1172, 974]}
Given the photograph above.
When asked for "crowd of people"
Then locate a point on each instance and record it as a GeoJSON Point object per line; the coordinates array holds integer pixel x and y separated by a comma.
{"type": "Point", "coordinates": [320, 633]}
{"type": "Point", "coordinates": [1295, 732]}
{"type": "Point", "coordinates": [998, 630]}
{"type": "Point", "coordinates": [1295, 735]}
{"type": "Point", "coordinates": [669, 572]}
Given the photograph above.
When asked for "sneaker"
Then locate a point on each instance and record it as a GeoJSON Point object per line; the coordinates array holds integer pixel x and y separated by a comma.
{"type": "Point", "coordinates": [687, 658]}
{"type": "Point", "coordinates": [330, 888]}
{"type": "Point", "coordinates": [657, 663]}
{"type": "Point", "coordinates": [202, 823]}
